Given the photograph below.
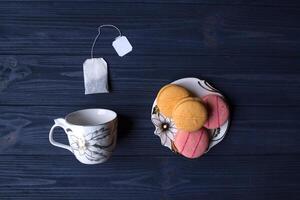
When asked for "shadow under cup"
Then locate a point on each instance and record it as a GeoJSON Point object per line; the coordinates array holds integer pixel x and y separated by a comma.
{"type": "Point", "coordinates": [92, 134]}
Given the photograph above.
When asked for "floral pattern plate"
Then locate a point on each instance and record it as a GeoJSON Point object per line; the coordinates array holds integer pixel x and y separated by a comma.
{"type": "Point", "coordinates": [165, 127]}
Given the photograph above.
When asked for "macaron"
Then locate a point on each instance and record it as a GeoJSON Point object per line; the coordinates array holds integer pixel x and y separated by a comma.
{"type": "Point", "coordinates": [189, 114]}
{"type": "Point", "coordinates": [169, 96]}
{"type": "Point", "coordinates": [218, 111]}
{"type": "Point", "coordinates": [192, 144]}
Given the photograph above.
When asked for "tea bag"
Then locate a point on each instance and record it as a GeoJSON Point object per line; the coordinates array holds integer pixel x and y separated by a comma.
{"type": "Point", "coordinates": [95, 76]}
{"type": "Point", "coordinates": [95, 69]}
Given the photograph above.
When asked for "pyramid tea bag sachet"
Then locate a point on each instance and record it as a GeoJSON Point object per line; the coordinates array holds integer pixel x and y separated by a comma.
{"type": "Point", "coordinates": [95, 69]}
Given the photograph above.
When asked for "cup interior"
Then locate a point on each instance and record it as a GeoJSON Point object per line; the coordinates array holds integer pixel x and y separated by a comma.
{"type": "Point", "coordinates": [91, 117]}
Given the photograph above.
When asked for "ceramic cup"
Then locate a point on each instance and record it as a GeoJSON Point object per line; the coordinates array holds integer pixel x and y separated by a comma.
{"type": "Point", "coordinates": [92, 134]}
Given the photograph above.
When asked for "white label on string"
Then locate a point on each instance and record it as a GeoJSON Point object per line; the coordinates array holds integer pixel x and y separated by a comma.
{"type": "Point", "coordinates": [122, 46]}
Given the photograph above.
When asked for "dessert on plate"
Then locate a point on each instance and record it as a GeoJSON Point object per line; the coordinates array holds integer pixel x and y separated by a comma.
{"type": "Point", "coordinates": [190, 117]}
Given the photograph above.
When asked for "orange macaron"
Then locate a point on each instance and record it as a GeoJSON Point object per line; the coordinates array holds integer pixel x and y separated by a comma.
{"type": "Point", "coordinates": [189, 114]}
{"type": "Point", "coordinates": [169, 96]}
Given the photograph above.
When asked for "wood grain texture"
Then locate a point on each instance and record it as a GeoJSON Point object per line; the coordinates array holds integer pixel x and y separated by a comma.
{"type": "Point", "coordinates": [247, 49]}
{"type": "Point", "coordinates": [272, 3]}
{"type": "Point", "coordinates": [254, 131]}
{"type": "Point", "coordinates": [67, 28]}
{"type": "Point", "coordinates": [236, 177]}
{"type": "Point", "coordinates": [58, 80]}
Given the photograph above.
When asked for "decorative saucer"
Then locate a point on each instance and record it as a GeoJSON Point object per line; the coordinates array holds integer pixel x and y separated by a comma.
{"type": "Point", "coordinates": [165, 127]}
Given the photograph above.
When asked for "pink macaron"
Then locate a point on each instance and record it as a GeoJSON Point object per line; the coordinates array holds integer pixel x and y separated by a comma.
{"type": "Point", "coordinates": [192, 144]}
{"type": "Point", "coordinates": [218, 111]}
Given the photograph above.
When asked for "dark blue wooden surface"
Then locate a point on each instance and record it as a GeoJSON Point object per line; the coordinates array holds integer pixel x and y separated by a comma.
{"type": "Point", "coordinates": [248, 49]}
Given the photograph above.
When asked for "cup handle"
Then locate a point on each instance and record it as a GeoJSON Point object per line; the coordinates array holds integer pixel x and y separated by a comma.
{"type": "Point", "coordinates": [59, 123]}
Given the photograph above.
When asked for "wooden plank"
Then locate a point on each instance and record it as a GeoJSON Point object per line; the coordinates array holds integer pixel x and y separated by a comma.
{"type": "Point", "coordinates": [201, 2]}
{"type": "Point", "coordinates": [254, 131]}
{"type": "Point", "coordinates": [61, 177]}
{"type": "Point", "coordinates": [61, 28]}
{"type": "Point", "coordinates": [249, 50]}
{"type": "Point", "coordinates": [58, 80]}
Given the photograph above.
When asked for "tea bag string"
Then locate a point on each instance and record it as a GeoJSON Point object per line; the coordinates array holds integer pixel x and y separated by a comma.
{"type": "Point", "coordinates": [99, 32]}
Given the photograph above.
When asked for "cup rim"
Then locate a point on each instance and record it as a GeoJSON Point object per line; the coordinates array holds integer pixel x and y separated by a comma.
{"type": "Point", "coordinates": [89, 125]}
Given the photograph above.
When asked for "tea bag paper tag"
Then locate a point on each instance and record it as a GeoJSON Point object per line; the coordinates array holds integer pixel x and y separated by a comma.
{"type": "Point", "coordinates": [122, 46]}
{"type": "Point", "coordinates": [95, 69]}
{"type": "Point", "coordinates": [95, 76]}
